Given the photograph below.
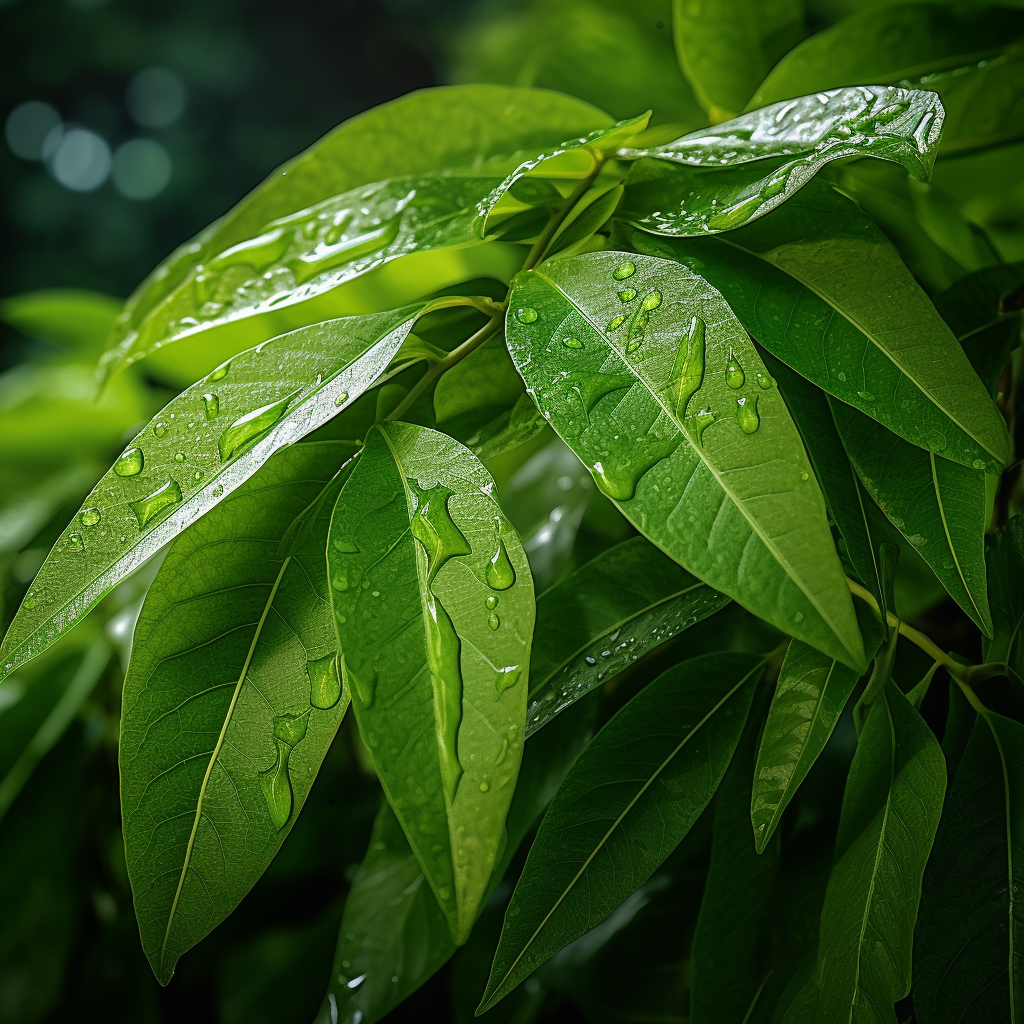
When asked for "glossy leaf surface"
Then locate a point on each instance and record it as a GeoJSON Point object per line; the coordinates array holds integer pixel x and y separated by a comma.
{"type": "Point", "coordinates": [647, 375]}
{"type": "Point", "coordinates": [197, 450]}
{"type": "Point", "coordinates": [891, 811]}
{"type": "Point", "coordinates": [628, 801]}
{"type": "Point", "coordinates": [1006, 588]}
{"type": "Point", "coordinates": [434, 609]}
{"type": "Point", "coordinates": [601, 619]}
{"type": "Point", "coordinates": [822, 289]}
{"type": "Point", "coordinates": [970, 932]}
{"type": "Point", "coordinates": [232, 698]}
{"type": "Point", "coordinates": [699, 184]}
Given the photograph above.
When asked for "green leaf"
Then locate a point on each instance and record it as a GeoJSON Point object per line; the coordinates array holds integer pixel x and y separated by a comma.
{"type": "Point", "coordinates": [601, 619]}
{"type": "Point", "coordinates": [417, 135]}
{"type": "Point", "coordinates": [195, 452]}
{"type": "Point", "coordinates": [511, 430]}
{"type": "Point", "coordinates": [730, 953]}
{"type": "Point", "coordinates": [938, 505]}
{"type": "Point", "coordinates": [434, 609]}
{"type": "Point", "coordinates": [72, 318]}
{"type": "Point", "coordinates": [726, 48]}
{"type": "Point", "coordinates": [891, 811]}
{"type": "Point", "coordinates": [889, 45]}
{"type": "Point", "coordinates": [806, 283]}
{"type": "Point", "coordinates": [970, 931]}
{"type": "Point", "coordinates": [1006, 594]}
{"type": "Point", "coordinates": [646, 374]}
{"type": "Point", "coordinates": [810, 695]}
{"type": "Point", "coordinates": [627, 802]}
{"type": "Point", "coordinates": [679, 190]}
{"type": "Point", "coordinates": [231, 700]}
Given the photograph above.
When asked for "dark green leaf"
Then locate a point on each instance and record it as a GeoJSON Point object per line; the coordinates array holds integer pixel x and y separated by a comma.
{"type": "Point", "coordinates": [629, 799]}
{"type": "Point", "coordinates": [891, 810]}
{"type": "Point", "coordinates": [647, 375]}
{"type": "Point", "coordinates": [434, 608]}
{"type": "Point", "coordinates": [597, 622]}
{"type": "Point", "coordinates": [970, 932]}
{"type": "Point", "coordinates": [197, 450]}
{"type": "Point", "coordinates": [232, 698]}
{"type": "Point", "coordinates": [725, 48]}
{"type": "Point", "coordinates": [678, 190]}
{"type": "Point", "coordinates": [1006, 594]}
{"type": "Point", "coordinates": [807, 282]}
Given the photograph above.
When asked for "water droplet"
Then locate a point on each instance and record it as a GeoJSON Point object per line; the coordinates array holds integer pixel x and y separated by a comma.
{"type": "Point", "coordinates": [75, 541]}
{"type": "Point", "coordinates": [866, 395]}
{"type": "Point", "coordinates": [615, 323]}
{"type": "Point", "coordinates": [688, 372]}
{"type": "Point", "coordinates": [341, 399]}
{"type": "Point", "coordinates": [978, 464]}
{"type": "Point", "coordinates": [30, 602]}
{"type": "Point", "coordinates": [624, 270]}
{"type": "Point", "coordinates": [324, 682]}
{"type": "Point", "coordinates": [491, 602]}
{"type": "Point", "coordinates": [159, 429]}
{"type": "Point", "coordinates": [220, 373]}
{"type": "Point", "coordinates": [163, 498]}
{"type": "Point", "coordinates": [346, 545]}
{"type": "Point", "coordinates": [91, 516]}
{"type": "Point", "coordinates": [493, 621]}
{"type": "Point", "coordinates": [841, 376]}
{"type": "Point", "coordinates": [218, 490]}
{"type": "Point", "coordinates": [249, 427]}
{"type": "Point", "coordinates": [805, 475]}
{"type": "Point", "coordinates": [737, 215]}
{"type": "Point", "coordinates": [179, 457]}
{"type": "Point", "coordinates": [590, 660]}
{"type": "Point", "coordinates": [627, 295]}
{"type": "Point", "coordinates": [197, 475]}
{"type": "Point", "coordinates": [798, 617]}
{"type": "Point", "coordinates": [764, 382]}
{"type": "Point", "coordinates": [507, 676]}
{"type": "Point", "coordinates": [651, 301]}
{"type": "Point", "coordinates": [774, 187]}
{"type": "Point", "coordinates": [484, 786]}
{"type": "Point", "coordinates": [340, 582]}
{"type": "Point", "coordinates": [500, 575]}
{"type": "Point", "coordinates": [211, 403]}
{"type": "Point", "coordinates": [701, 421]}
{"type": "Point", "coordinates": [434, 528]}
{"type": "Point", "coordinates": [572, 342]}
{"type": "Point", "coordinates": [130, 463]}
{"type": "Point", "coordinates": [746, 415]}
{"type": "Point", "coordinates": [275, 782]}
{"type": "Point", "coordinates": [734, 375]}
{"type": "Point", "coordinates": [526, 315]}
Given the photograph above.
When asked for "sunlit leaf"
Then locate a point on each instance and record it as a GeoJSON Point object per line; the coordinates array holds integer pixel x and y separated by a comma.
{"type": "Point", "coordinates": [646, 374]}
{"type": "Point", "coordinates": [73, 318]}
{"type": "Point", "coordinates": [434, 608]}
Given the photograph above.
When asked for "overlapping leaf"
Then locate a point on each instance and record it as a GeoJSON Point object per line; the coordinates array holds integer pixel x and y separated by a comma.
{"type": "Point", "coordinates": [196, 451]}
{"type": "Point", "coordinates": [627, 802]}
{"type": "Point", "coordinates": [700, 184]}
{"type": "Point", "coordinates": [601, 619]}
{"type": "Point", "coordinates": [823, 290]}
{"type": "Point", "coordinates": [232, 698]}
{"type": "Point", "coordinates": [433, 604]}
{"type": "Point", "coordinates": [647, 375]}
{"type": "Point", "coordinates": [1006, 588]}
{"type": "Point", "coordinates": [970, 932]}
{"type": "Point", "coordinates": [891, 811]}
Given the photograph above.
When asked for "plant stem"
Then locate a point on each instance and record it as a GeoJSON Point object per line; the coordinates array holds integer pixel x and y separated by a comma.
{"type": "Point", "coordinates": [536, 254]}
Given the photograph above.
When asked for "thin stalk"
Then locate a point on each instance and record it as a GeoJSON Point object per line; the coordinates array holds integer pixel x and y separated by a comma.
{"type": "Point", "coordinates": [536, 254]}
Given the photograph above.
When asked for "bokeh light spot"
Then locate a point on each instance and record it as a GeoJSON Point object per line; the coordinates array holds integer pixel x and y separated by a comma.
{"type": "Point", "coordinates": [155, 98]}
{"type": "Point", "coordinates": [142, 169]}
{"type": "Point", "coordinates": [81, 161]}
{"type": "Point", "coordinates": [27, 127]}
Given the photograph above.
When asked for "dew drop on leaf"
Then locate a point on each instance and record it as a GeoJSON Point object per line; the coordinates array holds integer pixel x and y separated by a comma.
{"type": "Point", "coordinates": [526, 315]}
{"type": "Point", "coordinates": [627, 295]}
{"type": "Point", "coordinates": [734, 375]}
{"type": "Point", "coordinates": [179, 456]}
{"type": "Point", "coordinates": [624, 270]}
{"type": "Point", "coordinates": [493, 621]}
{"type": "Point", "coordinates": [75, 540]}
{"type": "Point", "coordinates": [211, 404]}
{"type": "Point", "coordinates": [764, 382]}
{"type": "Point", "coordinates": [346, 545]}
{"type": "Point", "coordinates": [341, 399]}
{"type": "Point", "coordinates": [159, 429]}
{"type": "Point", "coordinates": [484, 786]}
{"type": "Point", "coordinates": [91, 516]}
{"type": "Point", "coordinates": [866, 395]}
{"type": "Point", "coordinates": [499, 574]}
{"type": "Point", "coordinates": [615, 323]}
{"type": "Point", "coordinates": [148, 508]}
{"type": "Point", "coordinates": [130, 463]}
{"type": "Point", "coordinates": [491, 602]}
{"type": "Point", "coordinates": [249, 427]}
{"type": "Point", "coordinates": [572, 342]}
{"type": "Point", "coordinates": [220, 373]}
{"type": "Point", "coordinates": [651, 301]}
{"type": "Point", "coordinates": [746, 415]}
{"type": "Point", "coordinates": [324, 682]}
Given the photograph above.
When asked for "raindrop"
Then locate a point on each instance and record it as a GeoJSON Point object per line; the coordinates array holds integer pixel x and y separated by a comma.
{"type": "Point", "coordinates": [627, 295]}
{"type": "Point", "coordinates": [798, 617]}
{"type": "Point", "coordinates": [75, 540]}
{"type": "Point", "coordinates": [526, 315]}
{"type": "Point", "coordinates": [746, 415]}
{"type": "Point", "coordinates": [275, 782]}
{"type": "Point", "coordinates": [220, 373]}
{"type": "Point", "coordinates": [841, 376]}
{"type": "Point", "coordinates": [615, 323]}
{"type": "Point", "coordinates": [651, 301]}
{"type": "Point", "coordinates": [159, 429]}
{"type": "Point", "coordinates": [493, 621]}
{"type": "Point", "coordinates": [130, 463]}
{"type": "Point", "coordinates": [492, 602]}
{"type": "Point", "coordinates": [324, 682]}
{"type": "Point", "coordinates": [163, 498]}
{"type": "Point", "coordinates": [341, 399]}
{"type": "Point", "coordinates": [500, 575]}
{"type": "Point", "coordinates": [572, 343]}
{"type": "Point", "coordinates": [484, 786]}
{"type": "Point", "coordinates": [249, 427]}
{"type": "Point", "coordinates": [211, 404]}
{"type": "Point", "coordinates": [345, 544]}
{"type": "Point", "coordinates": [805, 475]}
{"type": "Point", "coordinates": [197, 475]}
{"type": "Point", "coordinates": [764, 381]}
{"type": "Point", "coordinates": [179, 457]}
{"type": "Point", "coordinates": [866, 395]}
{"type": "Point", "coordinates": [218, 490]}
{"type": "Point", "coordinates": [688, 372]}
{"type": "Point", "coordinates": [590, 660]}
{"type": "Point", "coordinates": [91, 516]}
{"type": "Point", "coordinates": [734, 375]}
{"type": "Point", "coordinates": [624, 270]}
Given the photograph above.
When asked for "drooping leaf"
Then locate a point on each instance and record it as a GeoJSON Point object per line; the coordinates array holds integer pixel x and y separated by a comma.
{"type": "Point", "coordinates": [726, 48]}
{"type": "Point", "coordinates": [891, 811]}
{"type": "Point", "coordinates": [601, 619]}
{"type": "Point", "coordinates": [810, 695]}
{"type": "Point", "coordinates": [806, 283]}
{"type": "Point", "coordinates": [970, 931]}
{"type": "Point", "coordinates": [889, 45]}
{"type": "Point", "coordinates": [646, 374]}
{"type": "Point", "coordinates": [434, 609]}
{"type": "Point", "coordinates": [938, 505]}
{"type": "Point", "coordinates": [731, 955]}
{"type": "Point", "coordinates": [232, 698]}
{"type": "Point", "coordinates": [196, 451]}
{"type": "Point", "coordinates": [627, 802]}
{"type": "Point", "coordinates": [1006, 595]}
{"type": "Point", "coordinates": [417, 135]}
{"type": "Point", "coordinates": [700, 184]}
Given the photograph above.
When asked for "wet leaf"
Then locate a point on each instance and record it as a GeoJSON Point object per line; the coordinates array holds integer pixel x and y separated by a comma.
{"type": "Point", "coordinates": [232, 698]}
{"type": "Point", "coordinates": [627, 802]}
{"type": "Point", "coordinates": [647, 375]}
{"type": "Point", "coordinates": [434, 609]}
{"type": "Point", "coordinates": [196, 451]}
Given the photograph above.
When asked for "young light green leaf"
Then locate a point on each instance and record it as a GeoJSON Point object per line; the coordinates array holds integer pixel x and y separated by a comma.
{"type": "Point", "coordinates": [418, 135]}
{"type": "Point", "coordinates": [646, 374]}
{"type": "Point", "coordinates": [699, 184]}
{"type": "Point", "coordinates": [232, 698]}
{"type": "Point", "coordinates": [970, 931]}
{"type": "Point", "coordinates": [196, 451]}
{"type": "Point", "coordinates": [434, 609]}
{"type": "Point", "coordinates": [731, 956]}
{"type": "Point", "coordinates": [895, 360]}
{"type": "Point", "coordinates": [627, 802]}
{"type": "Point", "coordinates": [72, 318]}
{"type": "Point", "coordinates": [938, 505]}
{"type": "Point", "coordinates": [891, 811]}
{"type": "Point", "coordinates": [888, 45]}
{"type": "Point", "coordinates": [810, 695]}
{"type": "Point", "coordinates": [601, 619]}
{"type": "Point", "coordinates": [726, 48]}
{"type": "Point", "coordinates": [1006, 595]}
